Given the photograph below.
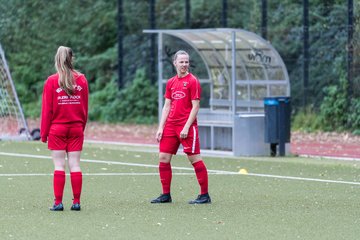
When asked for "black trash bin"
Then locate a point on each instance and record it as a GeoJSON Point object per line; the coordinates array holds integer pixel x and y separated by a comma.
{"type": "Point", "coordinates": [277, 123]}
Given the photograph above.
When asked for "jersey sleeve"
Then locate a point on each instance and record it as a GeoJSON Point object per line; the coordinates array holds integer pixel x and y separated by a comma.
{"type": "Point", "coordinates": [195, 90]}
{"type": "Point", "coordinates": [168, 90]}
{"type": "Point", "coordinates": [46, 110]}
{"type": "Point", "coordinates": [86, 101]}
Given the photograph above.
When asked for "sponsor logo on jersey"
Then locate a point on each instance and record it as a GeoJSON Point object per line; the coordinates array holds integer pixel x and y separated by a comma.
{"type": "Point", "coordinates": [74, 97]}
{"type": "Point", "coordinates": [178, 95]}
{"type": "Point", "coordinates": [76, 87]}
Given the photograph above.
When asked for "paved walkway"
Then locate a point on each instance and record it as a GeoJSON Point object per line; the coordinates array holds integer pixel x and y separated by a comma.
{"type": "Point", "coordinates": [337, 145]}
{"type": "Point", "coordinates": [336, 150]}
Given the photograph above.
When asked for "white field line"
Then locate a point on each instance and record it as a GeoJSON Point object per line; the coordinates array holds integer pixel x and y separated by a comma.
{"type": "Point", "coordinates": [155, 148]}
{"type": "Point", "coordinates": [302, 179]}
{"type": "Point", "coordinates": [110, 162]}
{"type": "Point", "coordinates": [330, 157]}
{"type": "Point", "coordinates": [219, 172]}
{"type": "Point", "coordinates": [86, 174]}
{"type": "Point", "coordinates": [122, 143]}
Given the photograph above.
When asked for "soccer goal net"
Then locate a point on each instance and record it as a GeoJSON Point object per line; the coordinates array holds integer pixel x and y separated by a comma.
{"type": "Point", "coordinates": [13, 125]}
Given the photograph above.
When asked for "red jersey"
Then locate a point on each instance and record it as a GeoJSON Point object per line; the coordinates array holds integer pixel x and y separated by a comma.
{"type": "Point", "coordinates": [60, 108]}
{"type": "Point", "coordinates": [181, 91]}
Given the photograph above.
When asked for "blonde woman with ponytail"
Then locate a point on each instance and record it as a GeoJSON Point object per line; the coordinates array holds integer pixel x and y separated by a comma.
{"type": "Point", "coordinates": [64, 115]}
{"type": "Point", "coordinates": [178, 125]}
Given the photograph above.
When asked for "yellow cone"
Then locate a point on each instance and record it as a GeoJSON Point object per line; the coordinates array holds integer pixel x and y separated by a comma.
{"type": "Point", "coordinates": [243, 171]}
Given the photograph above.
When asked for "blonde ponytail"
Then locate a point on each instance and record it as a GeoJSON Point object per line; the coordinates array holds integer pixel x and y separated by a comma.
{"type": "Point", "coordinates": [64, 67]}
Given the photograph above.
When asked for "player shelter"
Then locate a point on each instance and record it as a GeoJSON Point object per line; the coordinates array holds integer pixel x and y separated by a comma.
{"type": "Point", "coordinates": [236, 69]}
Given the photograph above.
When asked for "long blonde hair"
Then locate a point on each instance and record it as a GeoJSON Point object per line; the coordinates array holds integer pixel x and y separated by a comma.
{"type": "Point", "coordinates": [65, 69]}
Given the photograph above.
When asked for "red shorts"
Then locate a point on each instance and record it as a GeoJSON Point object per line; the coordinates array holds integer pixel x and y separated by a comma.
{"type": "Point", "coordinates": [68, 137]}
{"type": "Point", "coordinates": [171, 140]}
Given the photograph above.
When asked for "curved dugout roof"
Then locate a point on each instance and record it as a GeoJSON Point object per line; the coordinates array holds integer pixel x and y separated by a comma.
{"type": "Point", "coordinates": [238, 63]}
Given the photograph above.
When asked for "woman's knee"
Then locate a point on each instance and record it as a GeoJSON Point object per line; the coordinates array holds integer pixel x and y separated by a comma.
{"type": "Point", "coordinates": [74, 161]}
{"type": "Point", "coordinates": [165, 157]}
{"type": "Point", "coordinates": [59, 164]}
{"type": "Point", "coordinates": [193, 158]}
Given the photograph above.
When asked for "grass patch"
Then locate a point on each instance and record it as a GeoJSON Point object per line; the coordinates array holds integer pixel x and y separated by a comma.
{"type": "Point", "coordinates": [117, 206]}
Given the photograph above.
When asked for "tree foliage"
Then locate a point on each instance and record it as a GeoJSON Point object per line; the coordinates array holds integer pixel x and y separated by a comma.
{"type": "Point", "coordinates": [137, 103]}
{"type": "Point", "coordinates": [31, 31]}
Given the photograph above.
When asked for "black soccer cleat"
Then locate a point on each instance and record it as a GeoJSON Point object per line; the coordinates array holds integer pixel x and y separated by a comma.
{"type": "Point", "coordinates": [201, 199]}
{"type": "Point", "coordinates": [163, 198]}
{"type": "Point", "coordinates": [75, 207]}
{"type": "Point", "coordinates": [59, 207]}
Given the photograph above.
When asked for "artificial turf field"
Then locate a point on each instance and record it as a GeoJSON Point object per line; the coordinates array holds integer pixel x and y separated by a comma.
{"type": "Point", "coordinates": [279, 198]}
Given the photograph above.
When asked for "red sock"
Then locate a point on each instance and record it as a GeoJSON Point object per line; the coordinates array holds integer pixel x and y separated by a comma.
{"type": "Point", "coordinates": [202, 176]}
{"type": "Point", "coordinates": [165, 176]}
{"type": "Point", "coordinates": [76, 183]}
{"type": "Point", "coordinates": [58, 184]}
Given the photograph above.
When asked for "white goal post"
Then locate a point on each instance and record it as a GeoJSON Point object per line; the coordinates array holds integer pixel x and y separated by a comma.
{"type": "Point", "coordinates": [13, 125]}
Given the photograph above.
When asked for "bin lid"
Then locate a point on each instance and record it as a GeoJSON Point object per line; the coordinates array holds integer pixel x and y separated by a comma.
{"type": "Point", "coordinates": [276, 100]}
{"type": "Point", "coordinates": [271, 101]}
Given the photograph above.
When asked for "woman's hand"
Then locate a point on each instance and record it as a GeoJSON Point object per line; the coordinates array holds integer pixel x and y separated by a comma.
{"type": "Point", "coordinates": [184, 133]}
{"type": "Point", "coordinates": [159, 134]}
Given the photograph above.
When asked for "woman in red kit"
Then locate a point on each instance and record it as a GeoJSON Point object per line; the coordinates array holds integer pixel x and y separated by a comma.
{"type": "Point", "coordinates": [63, 118]}
{"type": "Point", "coordinates": [178, 125]}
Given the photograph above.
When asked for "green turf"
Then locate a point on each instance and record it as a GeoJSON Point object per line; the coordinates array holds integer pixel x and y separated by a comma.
{"type": "Point", "coordinates": [117, 207]}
